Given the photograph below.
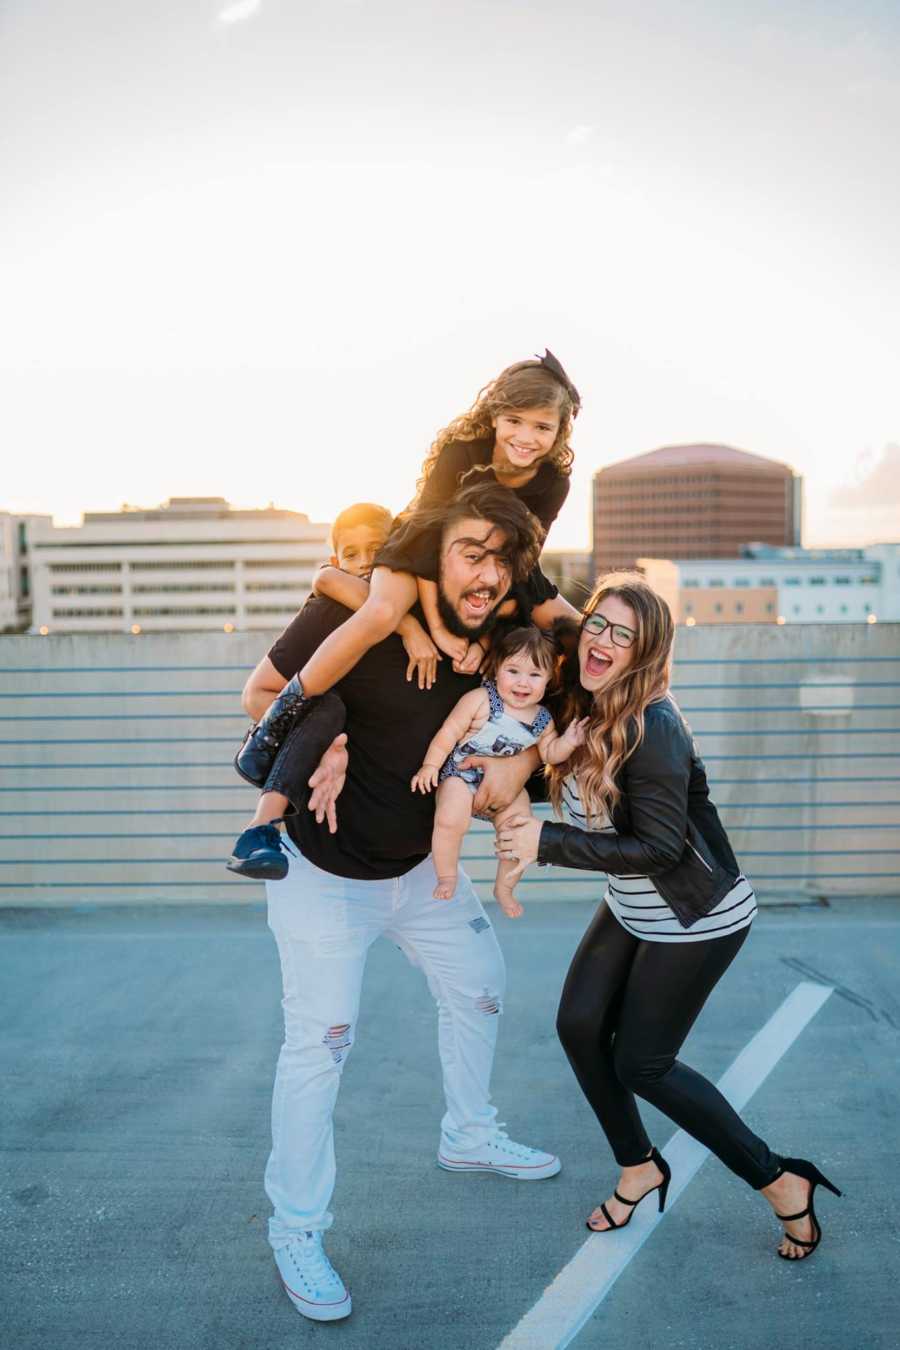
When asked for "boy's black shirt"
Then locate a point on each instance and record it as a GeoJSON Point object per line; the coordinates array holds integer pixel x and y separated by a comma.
{"type": "Point", "coordinates": [384, 829]}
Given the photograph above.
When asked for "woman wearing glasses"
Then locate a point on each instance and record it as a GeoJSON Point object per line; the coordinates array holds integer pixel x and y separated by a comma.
{"type": "Point", "coordinates": [677, 911]}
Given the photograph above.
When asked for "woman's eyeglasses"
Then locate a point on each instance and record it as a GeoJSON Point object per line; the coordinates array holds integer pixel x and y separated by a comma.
{"type": "Point", "coordinates": [597, 624]}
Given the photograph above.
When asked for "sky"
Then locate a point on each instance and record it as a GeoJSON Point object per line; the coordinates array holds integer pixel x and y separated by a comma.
{"type": "Point", "coordinates": [265, 250]}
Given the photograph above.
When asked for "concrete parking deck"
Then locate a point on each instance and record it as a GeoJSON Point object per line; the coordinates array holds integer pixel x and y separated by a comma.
{"type": "Point", "coordinates": [137, 1065]}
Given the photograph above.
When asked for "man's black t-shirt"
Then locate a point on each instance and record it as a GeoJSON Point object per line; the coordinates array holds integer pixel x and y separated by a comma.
{"type": "Point", "coordinates": [384, 829]}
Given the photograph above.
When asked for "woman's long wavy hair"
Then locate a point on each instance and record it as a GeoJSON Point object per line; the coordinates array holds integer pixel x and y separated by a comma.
{"type": "Point", "coordinates": [616, 713]}
{"type": "Point", "coordinates": [527, 384]}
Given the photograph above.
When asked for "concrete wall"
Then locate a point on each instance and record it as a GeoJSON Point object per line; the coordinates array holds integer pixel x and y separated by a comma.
{"type": "Point", "coordinates": [116, 780]}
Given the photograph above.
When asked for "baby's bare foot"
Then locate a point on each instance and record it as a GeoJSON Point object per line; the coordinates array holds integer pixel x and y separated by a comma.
{"type": "Point", "coordinates": [508, 903]}
{"type": "Point", "coordinates": [445, 889]}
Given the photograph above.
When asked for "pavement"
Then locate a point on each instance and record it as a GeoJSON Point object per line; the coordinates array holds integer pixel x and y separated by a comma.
{"type": "Point", "coordinates": [136, 1068]}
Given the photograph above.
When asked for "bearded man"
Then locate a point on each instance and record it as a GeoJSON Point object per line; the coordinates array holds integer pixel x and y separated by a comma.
{"type": "Point", "coordinates": [370, 875]}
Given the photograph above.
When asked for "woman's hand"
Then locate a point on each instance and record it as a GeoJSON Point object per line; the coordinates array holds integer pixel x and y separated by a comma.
{"type": "Point", "coordinates": [327, 782]}
{"type": "Point", "coordinates": [426, 778]}
{"type": "Point", "coordinates": [471, 662]}
{"type": "Point", "coordinates": [423, 654]}
{"type": "Point", "coordinates": [518, 841]}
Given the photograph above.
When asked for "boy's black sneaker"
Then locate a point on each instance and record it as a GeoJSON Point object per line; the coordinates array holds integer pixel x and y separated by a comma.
{"type": "Point", "coordinates": [258, 853]}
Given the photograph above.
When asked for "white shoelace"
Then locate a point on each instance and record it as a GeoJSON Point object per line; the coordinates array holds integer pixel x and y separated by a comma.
{"type": "Point", "coordinates": [502, 1140]}
{"type": "Point", "coordinates": [308, 1255]}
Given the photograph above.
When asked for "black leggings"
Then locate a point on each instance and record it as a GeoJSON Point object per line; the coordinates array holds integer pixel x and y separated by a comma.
{"type": "Point", "coordinates": [626, 1008]}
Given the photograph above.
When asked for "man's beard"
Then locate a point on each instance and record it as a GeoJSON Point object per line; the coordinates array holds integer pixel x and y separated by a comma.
{"type": "Point", "coordinates": [454, 624]}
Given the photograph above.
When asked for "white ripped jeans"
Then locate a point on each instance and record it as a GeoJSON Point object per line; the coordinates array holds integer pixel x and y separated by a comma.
{"type": "Point", "coordinates": [324, 926]}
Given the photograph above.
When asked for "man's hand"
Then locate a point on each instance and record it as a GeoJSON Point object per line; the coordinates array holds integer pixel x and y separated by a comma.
{"type": "Point", "coordinates": [327, 782]}
{"type": "Point", "coordinates": [518, 841]}
{"type": "Point", "coordinates": [504, 778]}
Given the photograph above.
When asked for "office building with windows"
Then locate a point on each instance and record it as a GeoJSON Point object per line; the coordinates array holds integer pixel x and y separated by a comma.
{"type": "Point", "coordinates": [192, 563]}
{"type": "Point", "coordinates": [782, 585]}
{"type": "Point", "coordinates": [15, 569]}
{"type": "Point", "coordinates": [692, 501]}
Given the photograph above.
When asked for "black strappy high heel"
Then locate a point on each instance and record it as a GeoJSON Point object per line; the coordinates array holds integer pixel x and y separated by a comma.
{"type": "Point", "coordinates": [802, 1168]}
{"type": "Point", "coordinates": [656, 1157]}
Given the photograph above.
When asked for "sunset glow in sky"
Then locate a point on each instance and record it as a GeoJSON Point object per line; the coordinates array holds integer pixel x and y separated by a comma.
{"type": "Point", "coordinates": [265, 250]}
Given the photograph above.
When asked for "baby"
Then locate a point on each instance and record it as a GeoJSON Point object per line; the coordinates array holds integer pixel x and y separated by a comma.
{"type": "Point", "coordinates": [503, 717]}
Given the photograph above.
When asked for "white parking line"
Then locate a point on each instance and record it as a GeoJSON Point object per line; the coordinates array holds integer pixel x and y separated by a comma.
{"type": "Point", "coordinates": [567, 1303]}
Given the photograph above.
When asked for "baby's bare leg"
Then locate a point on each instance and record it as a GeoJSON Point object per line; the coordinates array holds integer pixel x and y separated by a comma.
{"type": "Point", "coordinates": [503, 887]}
{"type": "Point", "coordinates": [270, 806]}
{"type": "Point", "coordinates": [451, 820]}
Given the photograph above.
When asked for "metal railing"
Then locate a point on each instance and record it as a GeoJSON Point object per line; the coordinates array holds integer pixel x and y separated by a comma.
{"type": "Point", "coordinates": [116, 778]}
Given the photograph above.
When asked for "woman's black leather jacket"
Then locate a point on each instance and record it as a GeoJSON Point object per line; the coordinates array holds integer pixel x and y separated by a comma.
{"type": "Point", "coordinates": [666, 826]}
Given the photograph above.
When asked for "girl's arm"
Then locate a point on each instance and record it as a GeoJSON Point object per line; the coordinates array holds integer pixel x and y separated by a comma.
{"type": "Point", "coordinates": [556, 608]}
{"type": "Point", "coordinates": [454, 647]}
{"type": "Point", "coordinates": [423, 654]}
{"type": "Point", "coordinates": [466, 656]}
{"type": "Point", "coordinates": [353, 592]}
{"type": "Point", "coordinates": [469, 715]}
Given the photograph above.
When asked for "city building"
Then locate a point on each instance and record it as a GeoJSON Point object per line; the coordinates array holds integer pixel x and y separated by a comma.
{"type": "Point", "coordinates": [194, 562]}
{"type": "Point", "coordinates": [692, 501]}
{"type": "Point", "coordinates": [782, 585]}
{"type": "Point", "coordinates": [15, 570]}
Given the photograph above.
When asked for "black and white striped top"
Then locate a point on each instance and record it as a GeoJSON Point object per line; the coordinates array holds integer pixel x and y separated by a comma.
{"type": "Point", "coordinates": [640, 908]}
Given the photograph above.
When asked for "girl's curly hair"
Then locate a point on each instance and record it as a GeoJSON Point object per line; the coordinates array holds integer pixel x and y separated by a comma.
{"type": "Point", "coordinates": [526, 384]}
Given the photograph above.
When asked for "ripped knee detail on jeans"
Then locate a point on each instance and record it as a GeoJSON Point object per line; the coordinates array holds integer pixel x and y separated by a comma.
{"type": "Point", "coordinates": [337, 1039]}
{"type": "Point", "coordinates": [489, 1004]}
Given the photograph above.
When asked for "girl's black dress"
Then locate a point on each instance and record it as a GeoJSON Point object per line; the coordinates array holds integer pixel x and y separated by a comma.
{"type": "Point", "coordinates": [415, 548]}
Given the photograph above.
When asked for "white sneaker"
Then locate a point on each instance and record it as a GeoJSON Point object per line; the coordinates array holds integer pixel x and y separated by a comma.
{"type": "Point", "coordinates": [311, 1281]}
{"type": "Point", "coordinates": [501, 1154]}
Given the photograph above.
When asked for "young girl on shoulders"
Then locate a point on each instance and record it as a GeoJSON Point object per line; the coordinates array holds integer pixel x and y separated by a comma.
{"type": "Point", "coordinates": [519, 428]}
{"type": "Point", "coordinates": [504, 717]}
